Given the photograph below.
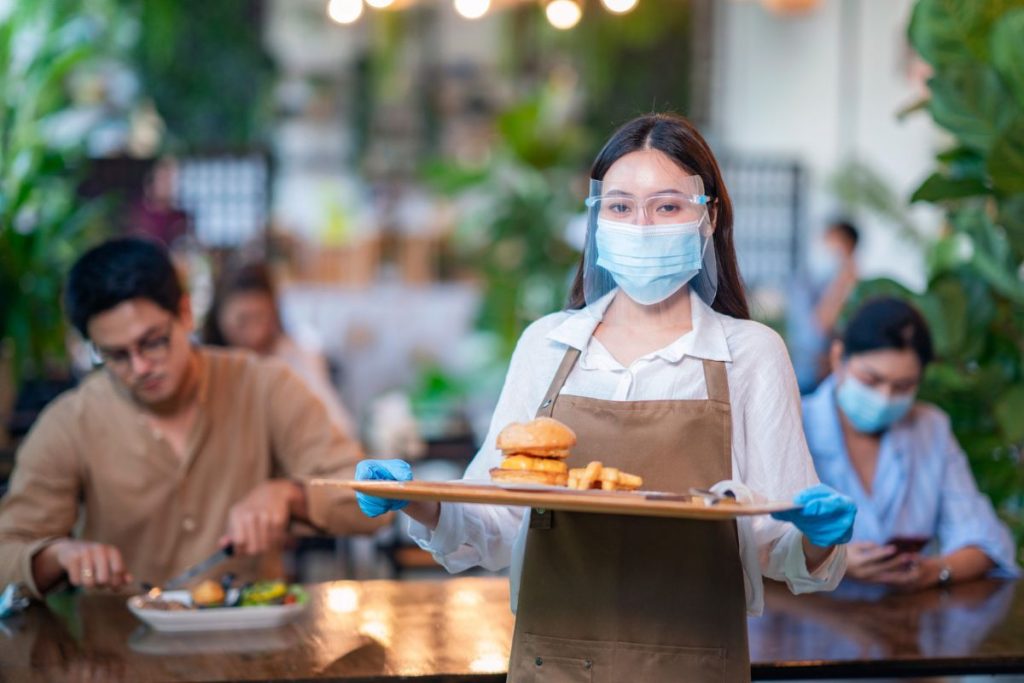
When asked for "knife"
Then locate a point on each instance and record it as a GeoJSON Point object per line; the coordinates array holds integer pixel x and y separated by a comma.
{"type": "Point", "coordinates": [713, 498]}
{"type": "Point", "coordinates": [195, 570]}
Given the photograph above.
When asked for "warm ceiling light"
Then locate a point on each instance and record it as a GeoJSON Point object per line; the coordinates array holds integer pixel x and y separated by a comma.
{"type": "Point", "coordinates": [380, 4]}
{"type": "Point", "coordinates": [563, 14]}
{"type": "Point", "coordinates": [345, 11]}
{"type": "Point", "coordinates": [472, 9]}
{"type": "Point", "coordinates": [790, 6]}
{"type": "Point", "coordinates": [619, 6]}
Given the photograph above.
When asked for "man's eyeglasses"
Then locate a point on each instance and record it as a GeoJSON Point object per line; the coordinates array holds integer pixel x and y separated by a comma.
{"type": "Point", "coordinates": [153, 349]}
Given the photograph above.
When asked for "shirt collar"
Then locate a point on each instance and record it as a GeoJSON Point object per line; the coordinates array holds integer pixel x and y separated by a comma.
{"type": "Point", "coordinates": [705, 341]}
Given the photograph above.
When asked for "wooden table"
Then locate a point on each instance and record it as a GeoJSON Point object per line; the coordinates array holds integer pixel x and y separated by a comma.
{"type": "Point", "coordinates": [460, 630]}
{"type": "Point", "coordinates": [859, 632]}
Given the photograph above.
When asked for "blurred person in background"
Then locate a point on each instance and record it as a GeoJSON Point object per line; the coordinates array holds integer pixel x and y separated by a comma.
{"type": "Point", "coordinates": [899, 460]}
{"type": "Point", "coordinates": [157, 214]}
{"type": "Point", "coordinates": [245, 315]}
{"type": "Point", "coordinates": [168, 452]}
{"type": "Point", "coordinates": [816, 300]}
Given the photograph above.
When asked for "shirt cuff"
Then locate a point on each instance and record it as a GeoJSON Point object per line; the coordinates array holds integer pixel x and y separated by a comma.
{"type": "Point", "coordinates": [794, 563]}
{"type": "Point", "coordinates": [1004, 565]}
{"type": "Point", "coordinates": [447, 537]}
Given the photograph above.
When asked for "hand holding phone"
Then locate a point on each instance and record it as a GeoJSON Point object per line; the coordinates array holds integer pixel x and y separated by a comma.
{"type": "Point", "coordinates": [908, 544]}
{"type": "Point", "coordinates": [874, 563]}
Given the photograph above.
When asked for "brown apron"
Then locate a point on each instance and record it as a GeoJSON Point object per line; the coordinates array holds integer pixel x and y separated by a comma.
{"type": "Point", "coordinates": [612, 598]}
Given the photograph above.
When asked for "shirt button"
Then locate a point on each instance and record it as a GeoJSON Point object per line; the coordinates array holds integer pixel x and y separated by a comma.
{"type": "Point", "coordinates": [538, 661]}
{"type": "Point", "coordinates": [188, 524]}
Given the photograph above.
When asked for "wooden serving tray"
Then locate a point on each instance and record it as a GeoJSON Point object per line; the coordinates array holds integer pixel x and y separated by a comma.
{"type": "Point", "coordinates": [642, 503]}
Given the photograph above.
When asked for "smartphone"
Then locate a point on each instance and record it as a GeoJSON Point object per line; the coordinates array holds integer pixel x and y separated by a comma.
{"type": "Point", "coordinates": [908, 544]}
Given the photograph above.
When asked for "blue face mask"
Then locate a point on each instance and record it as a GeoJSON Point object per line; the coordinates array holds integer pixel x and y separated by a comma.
{"type": "Point", "coordinates": [868, 410]}
{"type": "Point", "coordinates": [649, 263]}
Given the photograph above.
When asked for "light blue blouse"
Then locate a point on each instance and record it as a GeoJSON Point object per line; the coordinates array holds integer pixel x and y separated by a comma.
{"type": "Point", "coordinates": [923, 485]}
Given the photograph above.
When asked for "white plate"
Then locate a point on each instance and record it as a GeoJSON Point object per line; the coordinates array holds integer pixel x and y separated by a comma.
{"type": "Point", "coordinates": [148, 640]}
{"type": "Point", "coordinates": [213, 618]}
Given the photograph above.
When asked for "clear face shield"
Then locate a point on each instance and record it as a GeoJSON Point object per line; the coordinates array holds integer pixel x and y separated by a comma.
{"type": "Point", "coordinates": [650, 247]}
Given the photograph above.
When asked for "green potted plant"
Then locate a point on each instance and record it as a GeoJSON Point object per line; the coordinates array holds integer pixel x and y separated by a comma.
{"type": "Point", "coordinates": [517, 207]}
{"type": "Point", "coordinates": [42, 222]}
{"type": "Point", "coordinates": [974, 300]}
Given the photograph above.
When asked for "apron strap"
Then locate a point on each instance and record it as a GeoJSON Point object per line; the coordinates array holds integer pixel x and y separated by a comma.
{"type": "Point", "coordinates": [547, 406]}
{"type": "Point", "coordinates": [717, 381]}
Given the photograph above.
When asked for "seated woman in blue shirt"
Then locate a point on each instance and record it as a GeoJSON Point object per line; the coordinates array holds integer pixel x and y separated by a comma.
{"type": "Point", "coordinates": [899, 461]}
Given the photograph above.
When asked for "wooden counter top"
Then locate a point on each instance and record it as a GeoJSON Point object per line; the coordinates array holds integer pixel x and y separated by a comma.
{"type": "Point", "coordinates": [460, 630]}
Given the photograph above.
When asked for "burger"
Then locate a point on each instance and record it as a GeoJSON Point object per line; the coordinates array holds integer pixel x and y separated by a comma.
{"type": "Point", "coordinates": [535, 452]}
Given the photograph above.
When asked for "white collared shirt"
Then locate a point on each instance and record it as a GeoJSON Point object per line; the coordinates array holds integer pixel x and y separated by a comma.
{"type": "Point", "coordinates": [770, 459]}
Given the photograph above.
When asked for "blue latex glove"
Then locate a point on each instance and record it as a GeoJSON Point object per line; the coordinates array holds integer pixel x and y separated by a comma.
{"type": "Point", "coordinates": [825, 518]}
{"type": "Point", "coordinates": [381, 470]}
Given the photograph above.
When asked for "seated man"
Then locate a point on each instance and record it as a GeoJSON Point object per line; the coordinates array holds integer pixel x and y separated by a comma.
{"type": "Point", "coordinates": [169, 452]}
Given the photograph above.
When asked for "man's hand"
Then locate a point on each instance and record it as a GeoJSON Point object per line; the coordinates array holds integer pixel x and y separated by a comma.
{"type": "Point", "coordinates": [259, 521]}
{"type": "Point", "coordinates": [87, 564]}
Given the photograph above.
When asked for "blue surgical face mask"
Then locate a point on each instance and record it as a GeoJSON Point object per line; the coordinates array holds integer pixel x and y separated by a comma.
{"type": "Point", "coordinates": [649, 263]}
{"type": "Point", "coordinates": [824, 265]}
{"type": "Point", "coordinates": [868, 410]}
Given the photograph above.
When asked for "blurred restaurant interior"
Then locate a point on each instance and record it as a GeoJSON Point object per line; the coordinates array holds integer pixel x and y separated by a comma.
{"type": "Point", "coordinates": [405, 180]}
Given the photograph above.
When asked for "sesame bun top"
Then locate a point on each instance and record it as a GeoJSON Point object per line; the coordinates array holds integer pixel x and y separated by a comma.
{"type": "Point", "coordinates": [541, 435]}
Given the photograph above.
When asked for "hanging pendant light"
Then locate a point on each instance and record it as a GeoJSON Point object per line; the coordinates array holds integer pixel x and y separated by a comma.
{"type": "Point", "coordinates": [620, 6]}
{"type": "Point", "coordinates": [790, 6]}
{"type": "Point", "coordinates": [563, 14]}
{"type": "Point", "coordinates": [345, 11]}
{"type": "Point", "coordinates": [472, 9]}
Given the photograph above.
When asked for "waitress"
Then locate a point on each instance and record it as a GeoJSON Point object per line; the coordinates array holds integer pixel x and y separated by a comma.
{"type": "Point", "coordinates": [659, 371]}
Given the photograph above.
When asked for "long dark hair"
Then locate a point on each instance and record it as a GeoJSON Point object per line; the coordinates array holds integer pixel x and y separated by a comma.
{"type": "Point", "coordinates": [248, 278]}
{"type": "Point", "coordinates": [676, 137]}
{"type": "Point", "coordinates": [888, 323]}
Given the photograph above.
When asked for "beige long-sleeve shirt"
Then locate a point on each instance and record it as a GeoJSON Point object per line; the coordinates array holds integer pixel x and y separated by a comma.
{"type": "Point", "coordinates": [92, 462]}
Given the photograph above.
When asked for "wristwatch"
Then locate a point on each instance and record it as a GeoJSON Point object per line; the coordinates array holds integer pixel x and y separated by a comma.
{"type": "Point", "coordinates": [945, 576]}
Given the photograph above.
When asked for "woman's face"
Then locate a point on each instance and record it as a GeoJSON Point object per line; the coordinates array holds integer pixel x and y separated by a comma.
{"type": "Point", "coordinates": [248, 320]}
{"type": "Point", "coordinates": [644, 174]}
{"type": "Point", "coordinates": [891, 372]}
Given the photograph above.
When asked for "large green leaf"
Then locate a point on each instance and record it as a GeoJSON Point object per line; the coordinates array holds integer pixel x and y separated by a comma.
{"type": "Point", "coordinates": [1011, 217]}
{"type": "Point", "coordinates": [971, 101]}
{"type": "Point", "coordinates": [1006, 163]}
{"type": "Point", "coordinates": [986, 237]}
{"type": "Point", "coordinates": [951, 32]}
{"type": "Point", "coordinates": [870, 289]}
{"type": "Point", "coordinates": [949, 252]}
{"type": "Point", "coordinates": [1007, 44]}
{"type": "Point", "coordinates": [945, 307]}
{"type": "Point", "coordinates": [938, 188]}
{"type": "Point", "coordinates": [981, 244]}
{"type": "Point", "coordinates": [981, 312]}
{"type": "Point", "coordinates": [964, 163]}
{"type": "Point", "coordinates": [1010, 413]}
